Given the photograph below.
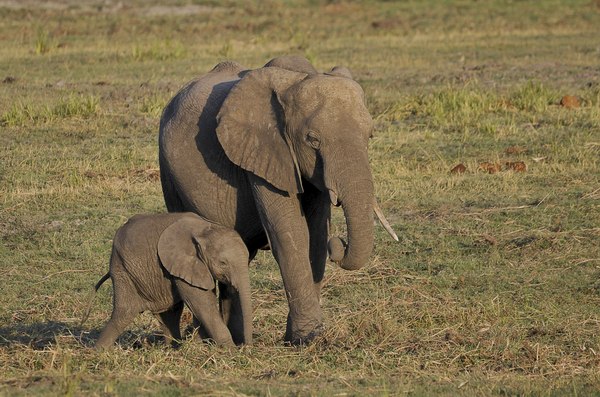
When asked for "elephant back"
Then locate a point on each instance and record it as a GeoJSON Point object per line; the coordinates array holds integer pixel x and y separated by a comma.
{"type": "Point", "coordinates": [190, 155]}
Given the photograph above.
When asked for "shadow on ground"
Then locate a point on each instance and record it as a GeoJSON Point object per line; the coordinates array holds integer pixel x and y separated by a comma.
{"type": "Point", "coordinates": [41, 335]}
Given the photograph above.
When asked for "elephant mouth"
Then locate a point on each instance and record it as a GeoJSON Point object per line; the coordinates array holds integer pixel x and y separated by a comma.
{"type": "Point", "coordinates": [334, 198]}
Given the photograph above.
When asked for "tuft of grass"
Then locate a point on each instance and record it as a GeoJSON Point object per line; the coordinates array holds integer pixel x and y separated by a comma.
{"type": "Point", "coordinates": [153, 104]}
{"type": "Point", "coordinates": [160, 50]}
{"type": "Point", "coordinates": [19, 114]}
{"type": "Point", "coordinates": [534, 97]}
{"type": "Point", "coordinates": [43, 41]}
{"type": "Point", "coordinates": [83, 106]}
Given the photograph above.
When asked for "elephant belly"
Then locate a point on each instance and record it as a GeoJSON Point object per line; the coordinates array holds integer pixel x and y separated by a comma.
{"type": "Point", "coordinates": [154, 288]}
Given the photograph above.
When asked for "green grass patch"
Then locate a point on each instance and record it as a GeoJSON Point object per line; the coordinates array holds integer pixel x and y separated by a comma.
{"type": "Point", "coordinates": [493, 288]}
{"type": "Point", "coordinates": [534, 97]}
{"type": "Point", "coordinates": [153, 104]}
{"type": "Point", "coordinates": [43, 42]}
{"type": "Point", "coordinates": [21, 113]}
{"type": "Point", "coordinates": [158, 51]}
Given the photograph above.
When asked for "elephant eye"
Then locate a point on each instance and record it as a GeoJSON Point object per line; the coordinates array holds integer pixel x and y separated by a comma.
{"type": "Point", "coordinates": [313, 139]}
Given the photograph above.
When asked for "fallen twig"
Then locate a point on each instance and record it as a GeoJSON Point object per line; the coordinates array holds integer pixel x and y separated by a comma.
{"type": "Point", "coordinates": [61, 272]}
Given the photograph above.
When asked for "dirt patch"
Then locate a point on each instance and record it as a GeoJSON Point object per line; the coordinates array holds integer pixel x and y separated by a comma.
{"type": "Point", "coordinates": [570, 102]}
{"type": "Point", "coordinates": [458, 169]}
{"type": "Point", "coordinates": [388, 24]}
{"type": "Point", "coordinates": [490, 168]}
{"type": "Point", "coordinates": [517, 166]}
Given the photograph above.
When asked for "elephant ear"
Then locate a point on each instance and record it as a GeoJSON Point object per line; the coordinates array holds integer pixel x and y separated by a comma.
{"type": "Point", "coordinates": [294, 63]}
{"type": "Point", "coordinates": [340, 71]}
{"type": "Point", "coordinates": [251, 127]}
{"type": "Point", "coordinates": [181, 254]}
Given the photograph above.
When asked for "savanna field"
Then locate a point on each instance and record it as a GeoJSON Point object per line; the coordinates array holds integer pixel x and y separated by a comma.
{"type": "Point", "coordinates": [486, 159]}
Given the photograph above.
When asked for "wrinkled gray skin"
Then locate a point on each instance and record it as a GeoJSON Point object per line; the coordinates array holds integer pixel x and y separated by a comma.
{"type": "Point", "coordinates": [158, 262]}
{"type": "Point", "coordinates": [266, 152]}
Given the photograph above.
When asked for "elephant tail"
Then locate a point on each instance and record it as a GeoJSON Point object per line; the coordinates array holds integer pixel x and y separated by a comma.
{"type": "Point", "coordinates": [90, 299]}
{"type": "Point", "coordinates": [101, 281]}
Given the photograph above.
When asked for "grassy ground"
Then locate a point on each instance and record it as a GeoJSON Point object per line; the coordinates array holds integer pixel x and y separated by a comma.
{"type": "Point", "coordinates": [494, 288]}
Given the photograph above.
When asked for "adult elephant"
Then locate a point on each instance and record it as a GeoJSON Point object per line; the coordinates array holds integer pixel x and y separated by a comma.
{"type": "Point", "coordinates": [266, 152]}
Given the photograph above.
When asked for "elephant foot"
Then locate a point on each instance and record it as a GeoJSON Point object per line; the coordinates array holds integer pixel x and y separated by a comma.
{"type": "Point", "coordinates": [298, 339]}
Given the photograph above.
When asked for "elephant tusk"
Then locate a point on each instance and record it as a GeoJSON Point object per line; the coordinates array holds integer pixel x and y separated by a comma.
{"type": "Point", "coordinates": [386, 225]}
{"type": "Point", "coordinates": [334, 198]}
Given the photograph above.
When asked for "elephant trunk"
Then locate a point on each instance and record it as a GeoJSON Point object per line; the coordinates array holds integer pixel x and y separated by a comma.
{"type": "Point", "coordinates": [356, 196]}
{"type": "Point", "coordinates": [245, 305]}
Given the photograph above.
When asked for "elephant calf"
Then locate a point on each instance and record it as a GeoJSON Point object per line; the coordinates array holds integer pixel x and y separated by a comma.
{"type": "Point", "coordinates": [158, 262]}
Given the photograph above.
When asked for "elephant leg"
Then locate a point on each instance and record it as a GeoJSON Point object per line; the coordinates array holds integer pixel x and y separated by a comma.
{"type": "Point", "coordinates": [119, 320]}
{"type": "Point", "coordinates": [125, 307]}
{"type": "Point", "coordinates": [203, 305]}
{"type": "Point", "coordinates": [317, 209]}
{"type": "Point", "coordinates": [199, 328]}
{"type": "Point", "coordinates": [170, 324]}
{"type": "Point", "coordinates": [286, 227]}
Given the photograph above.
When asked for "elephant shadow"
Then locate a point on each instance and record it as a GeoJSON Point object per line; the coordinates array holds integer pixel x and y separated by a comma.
{"type": "Point", "coordinates": [43, 335]}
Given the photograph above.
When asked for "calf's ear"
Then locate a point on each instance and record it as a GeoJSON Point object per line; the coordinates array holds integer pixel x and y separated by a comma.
{"type": "Point", "coordinates": [182, 255]}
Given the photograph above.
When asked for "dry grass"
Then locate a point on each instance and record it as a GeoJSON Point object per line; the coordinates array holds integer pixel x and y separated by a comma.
{"type": "Point", "coordinates": [493, 288]}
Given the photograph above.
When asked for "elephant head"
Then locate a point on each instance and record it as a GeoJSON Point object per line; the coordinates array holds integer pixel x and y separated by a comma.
{"type": "Point", "coordinates": [200, 253]}
{"type": "Point", "coordinates": [287, 126]}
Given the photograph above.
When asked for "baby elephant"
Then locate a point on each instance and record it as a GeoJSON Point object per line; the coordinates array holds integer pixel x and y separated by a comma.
{"type": "Point", "coordinates": [160, 261]}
